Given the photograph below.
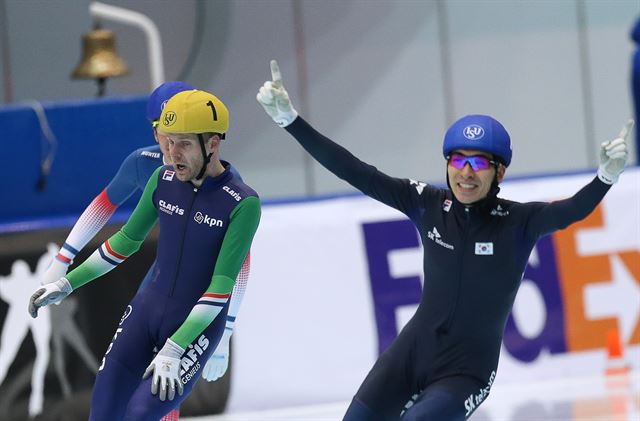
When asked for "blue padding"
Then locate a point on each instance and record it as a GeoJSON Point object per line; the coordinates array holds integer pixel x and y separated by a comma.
{"type": "Point", "coordinates": [94, 136]}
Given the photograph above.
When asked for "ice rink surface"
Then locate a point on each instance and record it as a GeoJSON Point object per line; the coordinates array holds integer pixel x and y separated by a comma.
{"type": "Point", "coordinates": [614, 398]}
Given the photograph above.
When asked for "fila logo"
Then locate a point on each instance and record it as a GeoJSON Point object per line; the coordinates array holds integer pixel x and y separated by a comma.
{"type": "Point", "coordinates": [473, 132]}
{"type": "Point", "coordinates": [446, 205]}
{"type": "Point", "coordinates": [419, 185]}
{"type": "Point", "coordinates": [484, 249]}
{"type": "Point", "coordinates": [169, 209]}
{"type": "Point", "coordinates": [206, 219]}
{"type": "Point", "coordinates": [435, 236]}
{"type": "Point", "coordinates": [168, 175]}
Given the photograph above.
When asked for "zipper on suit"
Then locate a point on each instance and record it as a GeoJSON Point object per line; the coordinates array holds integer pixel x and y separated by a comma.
{"type": "Point", "coordinates": [467, 220]}
{"type": "Point", "coordinates": [184, 234]}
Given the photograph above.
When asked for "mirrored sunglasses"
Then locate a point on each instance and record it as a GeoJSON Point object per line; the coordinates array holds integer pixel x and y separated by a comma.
{"type": "Point", "coordinates": [477, 162]}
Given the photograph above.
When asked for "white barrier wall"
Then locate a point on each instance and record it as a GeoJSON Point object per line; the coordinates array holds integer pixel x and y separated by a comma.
{"type": "Point", "coordinates": [332, 281]}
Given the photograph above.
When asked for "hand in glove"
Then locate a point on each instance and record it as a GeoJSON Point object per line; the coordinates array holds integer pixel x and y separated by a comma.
{"type": "Point", "coordinates": [165, 368]}
{"type": "Point", "coordinates": [614, 156]}
{"type": "Point", "coordinates": [219, 360]}
{"type": "Point", "coordinates": [55, 271]}
{"type": "Point", "coordinates": [49, 294]}
{"type": "Point", "coordinates": [275, 99]}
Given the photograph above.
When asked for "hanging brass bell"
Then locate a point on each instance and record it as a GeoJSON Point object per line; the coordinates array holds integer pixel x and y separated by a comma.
{"type": "Point", "coordinates": [99, 57]}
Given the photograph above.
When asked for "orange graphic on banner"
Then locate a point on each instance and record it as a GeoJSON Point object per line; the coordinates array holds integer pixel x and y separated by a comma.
{"type": "Point", "coordinates": [612, 408]}
{"type": "Point", "coordinates": [631, 260]}
{"type": "Point", "coordinates": [576, 272]}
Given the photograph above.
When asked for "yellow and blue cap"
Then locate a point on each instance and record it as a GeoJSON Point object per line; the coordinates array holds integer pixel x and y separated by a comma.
{"type": "Point", "coordinates": [194, 111]}
{"type": "Point", "coordinates": [159, 97]}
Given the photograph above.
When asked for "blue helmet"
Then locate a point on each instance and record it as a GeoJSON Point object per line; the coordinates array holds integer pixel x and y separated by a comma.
{"type": "Point", "coordinates": [481, 133]}
{"type": "Point", "coordinates": [161, 95]}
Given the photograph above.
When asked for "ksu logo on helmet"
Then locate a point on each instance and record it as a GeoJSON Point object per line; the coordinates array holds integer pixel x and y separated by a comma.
{"type": "Point", "coordinates": [169, 118]}
{"type": "Point", "coordinates": [473, 132]}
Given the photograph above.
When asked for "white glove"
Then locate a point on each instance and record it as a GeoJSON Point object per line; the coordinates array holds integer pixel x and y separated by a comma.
{"type": "Point", "coordinates": [49, 294]}
{"type": "Point", "coordinates": [165, 368]}
{"type": "Point", "coordinates": [275, 99]}
{"type": "Point", "coordinates": [614, 156]}
{"type": "Point", "coordinates": [55, 271]}
{"type": "Point", "coordinates": [219, 360]}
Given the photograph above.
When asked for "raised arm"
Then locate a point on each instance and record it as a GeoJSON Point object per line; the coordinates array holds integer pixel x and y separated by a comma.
{"type": "Point", "coordinates": [275, 100]}
{"type": "Point", "coordinates": [562, 213]}
{"type": "Point", "coordinates": [395, 192]}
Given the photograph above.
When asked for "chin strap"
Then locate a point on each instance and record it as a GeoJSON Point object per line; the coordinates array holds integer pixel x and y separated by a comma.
{"type": "Point", "coordinates": [207, 158]}
{"type": "Point", "coordinates": [495, 188]}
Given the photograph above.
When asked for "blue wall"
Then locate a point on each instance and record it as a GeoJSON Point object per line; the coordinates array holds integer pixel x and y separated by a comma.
{"type": "Point", "coordinates": [94, 136]}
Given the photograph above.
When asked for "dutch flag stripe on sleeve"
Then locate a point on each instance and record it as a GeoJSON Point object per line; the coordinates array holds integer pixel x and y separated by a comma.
{"type": "Point", "coordinates": [209, 306]}
{"type": "Point", "coordinates": [110, 256]}
{"type": "Point", "coordinates": [214, 299]}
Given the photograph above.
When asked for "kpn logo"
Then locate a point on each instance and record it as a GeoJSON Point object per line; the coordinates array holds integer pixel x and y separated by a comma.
{"type": "Point", "coordinates": [201, 218]}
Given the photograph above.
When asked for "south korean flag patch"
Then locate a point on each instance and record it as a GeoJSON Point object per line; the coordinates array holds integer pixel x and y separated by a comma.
{"type": "Point", "coordinates": [484, 249]}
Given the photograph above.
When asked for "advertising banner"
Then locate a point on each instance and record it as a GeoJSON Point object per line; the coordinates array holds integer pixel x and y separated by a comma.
{"type": "Point", "coordinates": [48, 364]}
{"type": "Point", "coordinates": [333, 281]}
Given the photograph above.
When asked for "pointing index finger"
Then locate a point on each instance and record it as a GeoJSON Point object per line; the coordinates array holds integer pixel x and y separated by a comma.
{"type": "Point", "coordinates": [626, 129]}
{"type": "Point", "coordinates": [276, 76]}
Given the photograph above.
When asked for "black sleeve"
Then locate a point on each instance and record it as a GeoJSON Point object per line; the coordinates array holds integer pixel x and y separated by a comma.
{"type": "Point", "coordinates": [401, 194]}
{"type": "Point", "coordinates": [549, 217]}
